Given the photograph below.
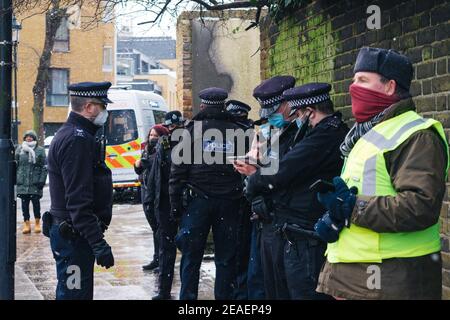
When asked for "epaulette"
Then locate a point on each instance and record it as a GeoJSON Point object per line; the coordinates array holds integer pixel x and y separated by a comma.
{"type": "Point", "coordinates": [334, 122]}
{"type": "Point", "coordinates": [79, 132]}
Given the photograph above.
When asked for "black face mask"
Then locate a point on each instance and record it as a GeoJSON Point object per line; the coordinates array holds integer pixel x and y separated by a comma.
{"type": "Point", "coordinates": [152, 144]}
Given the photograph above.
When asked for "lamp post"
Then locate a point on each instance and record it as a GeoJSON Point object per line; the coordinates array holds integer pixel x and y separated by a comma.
{"type": "Point", "coordinates": [7, 164]}
{"type": "Point", "coordinates": [16, 27]}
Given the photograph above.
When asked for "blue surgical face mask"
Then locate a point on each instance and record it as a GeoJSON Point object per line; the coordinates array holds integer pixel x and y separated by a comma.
{"type": "Point", "coordinates": [265, 130]}
{"type": "Point", "coordinates": [277, 120]}
{"type": "Point", "coordinates": [299, 122]}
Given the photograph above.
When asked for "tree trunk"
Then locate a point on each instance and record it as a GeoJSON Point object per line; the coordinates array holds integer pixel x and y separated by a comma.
{"type": "Point", "coordinates": [53, 20]}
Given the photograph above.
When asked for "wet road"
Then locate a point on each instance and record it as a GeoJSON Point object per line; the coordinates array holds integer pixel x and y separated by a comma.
{"type": "Point", "coordinates": [131, 240]}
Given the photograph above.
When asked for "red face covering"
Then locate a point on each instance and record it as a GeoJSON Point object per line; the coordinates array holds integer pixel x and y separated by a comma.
{"type": "Point", "coordinates": [367, 103]}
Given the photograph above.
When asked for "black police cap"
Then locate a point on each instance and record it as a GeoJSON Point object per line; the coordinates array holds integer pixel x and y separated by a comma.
{"type": "Point", "coordinates": [270, 93]}
{"type": "Point", "coordinates": [213, 96]}
{"type": "Point", "coordinates": [97, 90]}
{"type": "Point", "coordinates": [307, 95]}
{"type": "Point", "coordinates": [236, 106]}
{"type": "Point", "coordinates": [173, 117]}
{"type": "Point", "coordinates": [388, 63]}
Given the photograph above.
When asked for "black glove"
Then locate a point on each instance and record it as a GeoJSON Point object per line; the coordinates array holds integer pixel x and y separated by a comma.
{"type": "Point", "coordinates": [103, 254]}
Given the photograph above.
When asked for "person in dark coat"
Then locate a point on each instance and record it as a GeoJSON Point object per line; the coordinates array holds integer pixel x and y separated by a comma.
{"type": "Point", "coordinates": [31, 176]}
{"type": "Point", "coordinates": [158, 204]}
{"type": "Point", "coordinates": [277, 127]}
{"type": "Point", "coordinates": [143, 167]}
{"type": "Point", "coordinates": [216, 189]}
{"type": "Point", "coordinates": [247, 286]}
{"type": "Point", "coordinates": [295, 207]}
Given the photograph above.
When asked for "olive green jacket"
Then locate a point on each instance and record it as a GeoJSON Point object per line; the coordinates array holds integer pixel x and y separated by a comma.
{"type": "Point", "coordinates": [31, 177]}
{"type": "Point", "coordinates": [417, 170]}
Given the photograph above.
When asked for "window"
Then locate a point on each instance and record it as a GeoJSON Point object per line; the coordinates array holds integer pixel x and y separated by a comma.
{"type": "Point", "coordinates": [144, 67]}
{"type": "Point", "coordinates": [50, 128]}
{"type": "Point", "coordinates": [107, 59]}
{"type": "Point", "coordinates": [159, 116]}
{"type": "Point", "coordinates": [121, 127]}
{"type": "Point", "coordinates": [125, 67]}
{"type": "Point", "coordinates": [57, 93]}
{"type": "Point", "coordinates": [62, 37]}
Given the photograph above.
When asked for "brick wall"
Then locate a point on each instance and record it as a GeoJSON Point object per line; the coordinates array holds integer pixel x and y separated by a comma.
{"type": "Point", "coordinates": [320, 43]}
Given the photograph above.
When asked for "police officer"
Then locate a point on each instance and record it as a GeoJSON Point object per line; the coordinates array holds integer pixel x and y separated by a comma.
{"type": "Point", "coordinates": [240, 112]}
{"type": "Point", "coordinates": [277, 128]}
{"type": "Point", "coordinates": [80, 192]}
{"type": "Point", "coordinates": [158, 203]}
{"type": "Point", "coordinates": [214, 189]}
{"type": "Point", "coordinates": [315, 156]}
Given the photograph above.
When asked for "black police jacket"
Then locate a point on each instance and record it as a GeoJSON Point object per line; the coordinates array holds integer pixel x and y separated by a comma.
{"type": "Point", "coordinates": [80, 182]}
{"type": "Point", "coordinates": [215, 180]}
{"type": "Point", "coordinates": [316, 156]}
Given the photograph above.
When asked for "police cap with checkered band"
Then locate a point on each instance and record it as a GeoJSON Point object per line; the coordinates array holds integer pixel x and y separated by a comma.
{"type": "Point", "coordinates": [237, 107]}
{"type": "Point", "coordinates": [213, 97]}
{"type": "Point", "coordinates": [95, 90]}
{"type": "Point", "coordinates": [270, 93]}
{"type": "Point", "coordinates": [307, 95]}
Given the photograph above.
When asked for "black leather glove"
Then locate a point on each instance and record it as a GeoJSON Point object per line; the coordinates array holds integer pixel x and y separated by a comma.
{"type": "Point", "coordinates": [103, 254]}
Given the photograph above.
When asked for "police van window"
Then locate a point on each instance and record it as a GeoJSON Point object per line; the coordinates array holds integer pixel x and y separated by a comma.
{"type": "Point", "coordinates": [159, 116]}
{"type": "Point", "coordinates": [121, 127]}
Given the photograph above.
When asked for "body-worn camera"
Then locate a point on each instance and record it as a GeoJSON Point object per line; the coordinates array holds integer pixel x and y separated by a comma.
{"type": "Point", "coordinates": [263, 209]}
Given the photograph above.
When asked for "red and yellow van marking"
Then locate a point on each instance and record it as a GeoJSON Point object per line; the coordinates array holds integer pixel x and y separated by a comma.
{"type": "Point", "coordinates": [123, 155]}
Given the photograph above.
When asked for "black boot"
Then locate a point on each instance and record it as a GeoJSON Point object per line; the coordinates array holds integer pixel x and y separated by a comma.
{"type": "Point", "coordinates": [162, 296]}
{"type": "Point", "coordinates": [152, 265]}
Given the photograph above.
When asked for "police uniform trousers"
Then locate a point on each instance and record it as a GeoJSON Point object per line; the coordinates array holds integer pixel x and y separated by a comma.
{"type": "Point", "coordinates": [167, 231]}
{"type": "Point", "coordinates": [152, 221]}
{"type": "Point", "coordinates": [255, 276]}
{"type": "Point", "coordinates": [303, 259]}
{"type": "Point", "coordinates": [74, 266]}
{"type": "Point", "coordinates": [202, 214]}
{"type": "Point", "coordinates": [272, 257]}
{"type": "Point", "coordinates": [244, 231]}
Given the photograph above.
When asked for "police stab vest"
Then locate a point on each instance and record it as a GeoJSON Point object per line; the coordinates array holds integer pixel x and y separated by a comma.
{"type": "Point", "coordinates": [365, 168]}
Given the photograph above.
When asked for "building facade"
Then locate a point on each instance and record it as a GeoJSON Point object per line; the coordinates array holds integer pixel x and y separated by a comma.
{"type": "Point", "coordinates": [79, 54]}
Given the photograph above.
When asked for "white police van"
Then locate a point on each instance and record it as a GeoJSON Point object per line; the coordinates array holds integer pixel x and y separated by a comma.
{"type": "Point", "coordinates": [131, 115]}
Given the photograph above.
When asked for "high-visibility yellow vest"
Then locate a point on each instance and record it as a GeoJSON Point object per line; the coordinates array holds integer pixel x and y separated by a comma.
{"type": "Point", "coordinates": [365, 168]}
